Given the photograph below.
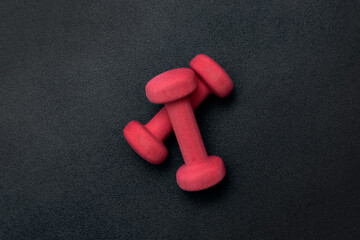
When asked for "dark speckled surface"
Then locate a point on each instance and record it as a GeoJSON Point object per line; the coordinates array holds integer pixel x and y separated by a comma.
{"type": "Point", "coordinates": [73, 74]}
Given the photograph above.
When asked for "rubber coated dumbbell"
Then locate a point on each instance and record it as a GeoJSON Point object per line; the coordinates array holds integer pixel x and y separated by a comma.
{"type": "Point", "coordinates": [172, 88]}
{"type": "Point", "coordinates": [148, 140]}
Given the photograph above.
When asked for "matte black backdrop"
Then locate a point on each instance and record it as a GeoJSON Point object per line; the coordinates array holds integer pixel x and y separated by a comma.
{"type": "Point", "coordinates": [73, 74]}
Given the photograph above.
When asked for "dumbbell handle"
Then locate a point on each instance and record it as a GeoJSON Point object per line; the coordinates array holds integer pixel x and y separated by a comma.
{"type": "Point", "coordinates": [186, 130]}
{"type": "Point", "coordinates": [160, 125]}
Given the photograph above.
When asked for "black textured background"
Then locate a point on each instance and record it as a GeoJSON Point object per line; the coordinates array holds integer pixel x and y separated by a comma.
{"type": "Point", "coordinates": [73, 74]}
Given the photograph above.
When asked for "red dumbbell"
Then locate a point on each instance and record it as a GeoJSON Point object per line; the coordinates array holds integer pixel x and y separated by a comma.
{"type": "Point", "coordinates": [148, 140]}
{"type": "Point", "coordinates": [173, 87]}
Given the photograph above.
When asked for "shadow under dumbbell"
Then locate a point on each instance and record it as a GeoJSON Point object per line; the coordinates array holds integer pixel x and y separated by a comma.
{"type": "Point", "coordinates": [212, 194]}
{"type": "Point", "coordinates": [220, 104]}
{"type": "Point", "coordinates": [229, 100]}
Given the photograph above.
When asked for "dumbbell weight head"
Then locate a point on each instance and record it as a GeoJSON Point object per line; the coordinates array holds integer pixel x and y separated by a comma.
{"type": "Point", "coordinates": [202, 175]}
{"type": "Point", "coordinates": [212, 74]}
{"type": "Point", "coordinates": [144, 143]}
{"type": "Point", "coordinates": [171, 85]}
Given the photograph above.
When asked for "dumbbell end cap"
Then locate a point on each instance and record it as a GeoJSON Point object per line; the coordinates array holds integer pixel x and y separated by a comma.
{"type": "Point", "coordinates": [212, 74]}
{"type": "Point", "coordinates": [202, 175]}
{"type": "Point", "coordinates": [171, 85]}
{"type": "Point", "coordinates": [144, 143]}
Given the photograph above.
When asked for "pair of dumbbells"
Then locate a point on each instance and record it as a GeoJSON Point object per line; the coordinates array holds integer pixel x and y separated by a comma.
{"type": "Point", "coordinates": [182, 90]}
